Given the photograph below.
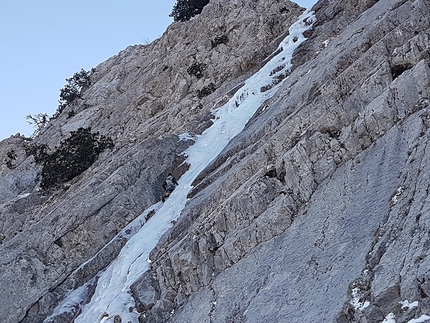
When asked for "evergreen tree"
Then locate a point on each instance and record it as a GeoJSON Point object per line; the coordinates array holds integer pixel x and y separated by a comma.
{"type": "Point", "coordinates": [72, 90]}
{"type": "Point", "coordinates": [184, 10]}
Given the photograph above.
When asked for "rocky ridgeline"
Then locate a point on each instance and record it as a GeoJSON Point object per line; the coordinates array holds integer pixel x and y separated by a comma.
{"type": "Point", "coordinates": [142, 98]}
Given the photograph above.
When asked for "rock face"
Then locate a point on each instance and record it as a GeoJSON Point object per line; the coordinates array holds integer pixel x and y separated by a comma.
{"type": "Point", "coordinates": [317, 212]}
{"type": "Point", "coordinates": [142, 98]}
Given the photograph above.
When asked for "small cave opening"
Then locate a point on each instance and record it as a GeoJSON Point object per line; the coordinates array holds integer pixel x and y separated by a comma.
{"type": "Point", "coordinates": [399, 69]}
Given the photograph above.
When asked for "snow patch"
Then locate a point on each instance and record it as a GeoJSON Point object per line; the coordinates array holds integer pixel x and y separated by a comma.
{"type": "Point", "coordinates": [399, 192]}
{"type": "Point", "coordinates": [391, 318]}
{"type": "Point", "coordinates": [21, 196]}
{"type": "Point", "coordinates": [356, 300]}
{"type": "Point", "coordinates": [421, 319]}
{"type": "Point", "coordinates": [186, 136]}
{"type": "Point", "coordinates": [407, 305]}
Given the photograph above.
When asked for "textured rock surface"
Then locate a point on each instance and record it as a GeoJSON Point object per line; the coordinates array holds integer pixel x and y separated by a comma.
{"type": "Point", "coordinates": [142, 98]}
{"type": "Point", "coordinates": [317, 212]}
{"type": "Point", "coordinates": [317, 205]}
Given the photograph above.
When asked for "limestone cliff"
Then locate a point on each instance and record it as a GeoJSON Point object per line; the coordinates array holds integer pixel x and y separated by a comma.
{"type": "Point", "coordinates": [142, 98]}
{"type": "Point", "coordinates": [316, 212]}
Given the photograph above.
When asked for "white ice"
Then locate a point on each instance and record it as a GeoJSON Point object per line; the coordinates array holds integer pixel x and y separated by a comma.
{"type": "Point", "coordinates": [112, 296]}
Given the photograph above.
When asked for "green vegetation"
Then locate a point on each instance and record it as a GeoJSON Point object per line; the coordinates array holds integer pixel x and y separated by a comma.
{"type": "Point", "coordinates": [59, 242]}
{"type": "Point", "coordinates": [68, 95]}
{"type": "Point", "coordinates": [71, 114]}
{"type": "Point", "coordinates": [206, 90]}
{"type": "Point", "coordinates": [75, 154]}
{"type": "Point", "coordinates": [11, 156]}
{"type": "Point", "coordinates": [196, 69]}
{"type": "Point", "coordinates": [184, 10]}
{"type": "Point", "coordinates": [219, 40]}
{"type": "Point", "coordinates": [72, 90]}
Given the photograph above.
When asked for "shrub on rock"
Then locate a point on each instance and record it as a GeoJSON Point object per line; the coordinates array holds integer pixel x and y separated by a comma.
{"type": "Point", "coordinates": [75, 154]}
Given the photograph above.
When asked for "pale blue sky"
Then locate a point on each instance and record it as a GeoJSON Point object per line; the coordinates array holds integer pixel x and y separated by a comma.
{"type": "Point", "coordinates": [43, 42]}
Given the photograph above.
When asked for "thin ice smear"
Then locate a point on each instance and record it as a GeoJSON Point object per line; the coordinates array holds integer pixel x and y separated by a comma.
{"type": "Point", "coordinates": [112, 296]}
